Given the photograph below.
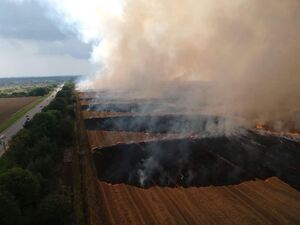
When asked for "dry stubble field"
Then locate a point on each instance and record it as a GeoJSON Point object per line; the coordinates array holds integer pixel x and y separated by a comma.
{"type": "Point", "coordinates": [9, 106]}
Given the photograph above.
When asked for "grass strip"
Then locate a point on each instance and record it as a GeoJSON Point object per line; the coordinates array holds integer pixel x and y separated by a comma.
{"type": "Point", "coordinates": [11, 120]}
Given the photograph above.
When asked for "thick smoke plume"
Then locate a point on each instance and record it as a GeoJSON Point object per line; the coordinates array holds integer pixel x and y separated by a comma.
{"type": "Point", "coordinates": [233, 59]}
{"type": "Point", "coordinates": [241, 56]}
{"type": "Point", "coordinates": [245, 53]}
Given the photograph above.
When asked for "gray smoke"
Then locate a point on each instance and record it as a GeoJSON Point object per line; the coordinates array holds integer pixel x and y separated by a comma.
{"type": "Point", "coordinates": [245, 54]}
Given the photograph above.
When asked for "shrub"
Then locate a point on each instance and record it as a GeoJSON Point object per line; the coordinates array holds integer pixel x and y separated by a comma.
{"type": "Point", "coordinates": [54, 209]}
{"type": "Point", "coordinates": [39, 91]}
{"type": "Point", "coordinates": [21, 184]}
{"type": "Point", "coordinates": [10, 213]}
{"type": "Point", "coordinates": [19, 147]}
{"type": "Point", "coordinates": [43, 166]}
{"type": "Point", "coordinates": [43, 124]}
{"type": "Point", "coordinates": [44, 147]}
{"type": "Point", "coordinates": [38, 151]}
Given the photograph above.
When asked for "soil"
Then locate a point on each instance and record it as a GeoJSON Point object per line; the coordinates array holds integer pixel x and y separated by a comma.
{"type": "Point", "coordinates": [199, 162]}
{"type": "Point", "coordinates": [100, 139]}
{"type": "Point", "coordinates": [9, 106]}
{"type": "Point", "coordinates": [252, 202]}
{"type": "Point", "coordinates": [155, 123]}
{"type": "Point", "coordinates": [115, 149]}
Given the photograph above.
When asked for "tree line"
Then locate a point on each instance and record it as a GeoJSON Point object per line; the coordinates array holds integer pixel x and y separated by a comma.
{"type": "Point", "coordinates": [32, 92]}
{"type": "Point", "coordinates": [31, 190]}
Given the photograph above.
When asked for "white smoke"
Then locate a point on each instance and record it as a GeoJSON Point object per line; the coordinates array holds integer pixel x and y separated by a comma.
{"type": "Point", "coordinates": [248, 50]}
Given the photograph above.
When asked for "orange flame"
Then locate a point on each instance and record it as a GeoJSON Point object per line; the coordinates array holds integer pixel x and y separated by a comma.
{"type": "Point", "coordinates": [259, 126]}
{"type": "Point", "coordinates": [265, 128]}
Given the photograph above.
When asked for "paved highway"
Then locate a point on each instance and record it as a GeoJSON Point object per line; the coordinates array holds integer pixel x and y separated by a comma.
{"type": "Point", "coordinates": [18, 125]}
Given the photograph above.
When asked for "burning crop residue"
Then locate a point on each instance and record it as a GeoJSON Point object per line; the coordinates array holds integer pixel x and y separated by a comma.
{"type": "Point", "coordinates": [259, 126]}
{"type": "Point", "coordinates": [214, 69]}
{"type": "Point", "coordinates": [175, 149]}
{"type": "Point", "coordinates": [199, 162]}
{"type": "Point", "coordinates": [233, 59]}
{"type": "Point", "coordinates": [147, 162]}
{"type": "Point", "coordinates": [165, 123]}
{"type": "Point", "coordinates": [164, 163]}
{"type": "Point", "coordinates": [264, 129]}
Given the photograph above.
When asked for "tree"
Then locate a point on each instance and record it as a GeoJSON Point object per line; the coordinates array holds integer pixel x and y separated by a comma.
{"type": "Point", "coordinates": [23, 137]}
{"type": "Point", "coordinates": [19, 147]}
{"type": "Point", "coordinates": [21, 184]}
{"type": "Point", "coordinates": [10, 213]}
{"type": "Point", "coordinates": [57, 104]}
{"type": "Point", "coordinates": [39, 91]}
{"type": "Point", "coordinates": [54, 209]}
{"type": "Point", "coordinates": [5, 163]}
{"type": "Point", "coordinates": [65, 132]}
{"type": "Point", "coordinates": [43, 124]}
{"type": "Point", "coordinates": [43, 166]}
{"type": "Point", "coordinates": [44, 147]}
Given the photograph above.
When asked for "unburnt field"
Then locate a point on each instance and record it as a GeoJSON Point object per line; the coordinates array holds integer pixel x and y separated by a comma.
{"type": "Point", "coordinates": [160, 167]}
{"type": "Point", "coordinates": [9, 106]}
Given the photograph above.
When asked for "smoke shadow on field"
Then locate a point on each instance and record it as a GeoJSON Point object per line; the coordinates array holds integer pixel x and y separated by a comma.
{"type": "Point", "coordinates": [133, 107]}
{"type": "Point", "coordinates": [201, 162]}
{"type": "Point", "coordinates": [163, 124]}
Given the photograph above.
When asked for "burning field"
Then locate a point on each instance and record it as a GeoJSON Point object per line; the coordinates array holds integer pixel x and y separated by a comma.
{"type": "Point", "coordinates": [192, 115]}
{"type": "Point", "coordinates": [150, 163]}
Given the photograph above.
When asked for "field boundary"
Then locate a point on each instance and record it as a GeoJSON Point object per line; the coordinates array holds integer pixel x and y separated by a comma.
{"type": "Point", "coordinates": [17, 115]}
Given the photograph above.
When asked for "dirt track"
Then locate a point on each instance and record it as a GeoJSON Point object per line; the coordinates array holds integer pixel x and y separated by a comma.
{"type": "Point", "coordinates": [251, 202]}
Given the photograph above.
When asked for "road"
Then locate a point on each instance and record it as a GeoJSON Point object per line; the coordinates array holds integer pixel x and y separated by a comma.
{"type": "Point", "coordinates": [18, 125]}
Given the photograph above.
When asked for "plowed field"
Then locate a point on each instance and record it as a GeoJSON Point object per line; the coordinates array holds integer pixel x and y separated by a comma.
{"type": "Point", "coordinates": [113, 150]}
{"type": "Point", "coordinates": [251, 202]}
{"type": "Point", "coordinates": [9, 106]}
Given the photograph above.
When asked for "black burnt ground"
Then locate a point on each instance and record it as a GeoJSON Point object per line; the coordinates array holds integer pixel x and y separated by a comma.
{"type": "Point", "coordinates": [156, 124]}
{"type": "Point", "coordinates": [122, 107]}
{"type": "Point", "coordinates": [201, 162]}
{"type": "Point", "coordinates": [111, 107]}
{"type": "Point", "coordinates": [211, 160]}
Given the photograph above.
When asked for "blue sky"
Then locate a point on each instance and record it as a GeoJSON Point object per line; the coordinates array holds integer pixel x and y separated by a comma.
{"type": "Point", "coordinates": [32, 43]}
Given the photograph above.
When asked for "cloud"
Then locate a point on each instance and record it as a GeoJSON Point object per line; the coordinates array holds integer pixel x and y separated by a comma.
{"type": "Point", "coordinates": [23, 58]}
{"type": "Point", "coordinates": [33, 41]}
{"type": "Point", "coordinates": [71, 46]}
{"type": "Point", "coordinates": [27, 21]}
